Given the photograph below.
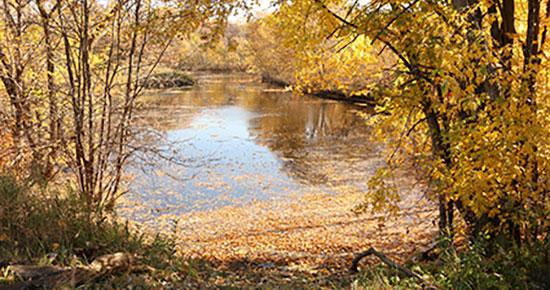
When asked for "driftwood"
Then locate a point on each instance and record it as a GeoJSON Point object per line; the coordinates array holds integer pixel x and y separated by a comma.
{"type": "Point", "coordinates": [54, 276]}
{"type": "Point", "coordinates": [404, 270]}
{"type": "Point", "coordinates": [340, 96]}
{"type": "Point", "coordinates": [268, 79]}
{"type": "Point", "coordinates": [385, 259]}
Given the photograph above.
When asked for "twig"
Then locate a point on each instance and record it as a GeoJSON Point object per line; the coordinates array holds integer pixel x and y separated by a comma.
{"type": "Point", "coordinates": [389, 262]}
{"type": "Point", "coordinates": [348, 44]}
{"type": "Point", "coordinates": [336, 15]}
{"type": "Point", "coordinates": [392, 21]}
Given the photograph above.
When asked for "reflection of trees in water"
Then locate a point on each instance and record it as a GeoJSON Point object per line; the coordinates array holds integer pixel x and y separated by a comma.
{"type": "Point", "coordinates": [319, 125]}
{"type": "Point", "coordinates": [175, 109]}
{"type": "Point", "coordinates": [315, 140]}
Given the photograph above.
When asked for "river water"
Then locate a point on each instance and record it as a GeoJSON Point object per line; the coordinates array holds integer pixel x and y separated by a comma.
{"type": "Point", "coordinates": [231, 140]}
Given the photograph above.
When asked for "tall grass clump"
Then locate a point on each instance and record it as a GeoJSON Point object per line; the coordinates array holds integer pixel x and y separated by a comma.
{"type": "Point", "coordinates": [35, 221]}
{"type": "Point", "coordinates": [41, 226]}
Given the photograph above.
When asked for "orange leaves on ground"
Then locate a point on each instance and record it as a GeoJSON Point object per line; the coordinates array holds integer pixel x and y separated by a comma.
{"type": "Point", "coordinates": [315, 231]}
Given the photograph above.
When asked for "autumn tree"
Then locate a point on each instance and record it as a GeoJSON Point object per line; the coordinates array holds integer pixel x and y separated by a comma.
{"type": "Point", "coordinates": [293, 46]}
{"type": "Point", "coordinates": [72, 73]}
{"type": "Point", "coordinates": [468, 106]}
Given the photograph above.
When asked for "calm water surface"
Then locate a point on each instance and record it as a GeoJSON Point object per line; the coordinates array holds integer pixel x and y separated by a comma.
{"type": "Point", "coordinates": [230, 140]}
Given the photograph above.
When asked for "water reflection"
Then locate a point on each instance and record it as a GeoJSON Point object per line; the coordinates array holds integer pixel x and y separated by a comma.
{"type": "Point", "coordinates": [243, 143]}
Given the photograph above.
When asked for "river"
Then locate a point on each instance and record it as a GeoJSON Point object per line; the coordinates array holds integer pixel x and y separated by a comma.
{"type": "Point", "coordinates": [231, 140]}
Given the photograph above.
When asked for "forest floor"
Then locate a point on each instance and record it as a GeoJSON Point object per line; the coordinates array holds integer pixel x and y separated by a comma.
{"type": "Point", "coordinates": [311, 239]}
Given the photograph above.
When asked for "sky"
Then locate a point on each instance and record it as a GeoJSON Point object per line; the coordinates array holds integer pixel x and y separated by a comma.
{"type": "Point", "coordinates": [263, 7]}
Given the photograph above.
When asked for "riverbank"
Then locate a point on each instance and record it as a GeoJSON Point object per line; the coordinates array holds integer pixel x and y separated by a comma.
{"type": "Point", "coordinates": [173, 79]}
{"type": "Point", "coordinates": [314, 233]}
{"type": "Point", "coordinates": [307, 243]}
{"type": "Point", "coordinates": [285, 174]}
{"type": "Point", "coordinates": [322, 93]}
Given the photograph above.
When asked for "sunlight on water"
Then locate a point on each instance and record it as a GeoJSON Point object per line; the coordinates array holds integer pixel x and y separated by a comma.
{"type": "Point", "coordinates": [233, 142]}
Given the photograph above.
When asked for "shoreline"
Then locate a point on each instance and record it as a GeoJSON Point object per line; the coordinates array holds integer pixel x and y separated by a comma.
{"type": "Point", "coordinates": [314, 231]}
{"type": "Point", "coordinates": [361, 100]}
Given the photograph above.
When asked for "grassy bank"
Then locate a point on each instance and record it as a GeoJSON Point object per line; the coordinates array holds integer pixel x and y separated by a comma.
{"type": "Point", "coordinates": [45, 227]}
{"type": "Point", "coordinates": [49, 229]}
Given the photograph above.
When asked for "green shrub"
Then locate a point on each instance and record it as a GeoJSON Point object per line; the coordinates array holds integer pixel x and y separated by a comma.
{"type": "Point", "coordinates": [526, 267]}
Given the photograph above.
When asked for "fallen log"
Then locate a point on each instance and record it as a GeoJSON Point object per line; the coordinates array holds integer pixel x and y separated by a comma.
{"type": "Point", "coordinates": [55, 276]}
{"type": "Point", "coordinates": [340, 96]}
{"type": "Point", "coordinates": [429, 253]}
{"type": "Point", "coordinates": [404, 270]}
{"type": "Point", "coordinates": [383, 258]}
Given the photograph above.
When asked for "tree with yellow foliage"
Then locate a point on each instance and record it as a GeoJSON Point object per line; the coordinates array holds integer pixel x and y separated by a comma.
{"type": "Point", "coordinates": [469, 105]}
{"type": "Point", "coordinates": [71, 74]}
{"type": "Point", "coordinates": [291, 45]}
